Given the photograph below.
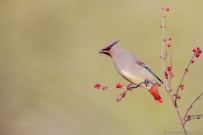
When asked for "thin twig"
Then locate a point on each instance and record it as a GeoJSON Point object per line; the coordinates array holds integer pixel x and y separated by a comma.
{"type": "Point", "coordinates": [186, 70]}
{"type": "Point", "coordinates": [192, 105]}
{"type": "Point", "coordinates": [167, 87]}
{"type": "Point", "coordinates": [194, 117]}
{"type": "Point", "coordinates": [181, 119]}
{"type": "Point", "coordinates": [170, 77]}
{"type": "Point", "coordinates": [166, 53]}
{"type": "Point", "coordinates": [177, 110]}
{"type": "Point", "coordinates": [171, 59]}
{"type": "Point", "coordinates": [163, 37]}
{"type": "Point", "coordinates": [129, 88]}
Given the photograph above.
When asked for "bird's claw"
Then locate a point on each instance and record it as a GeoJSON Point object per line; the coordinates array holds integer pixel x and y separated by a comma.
{"type": "Point", "coordinates": [146, 82]}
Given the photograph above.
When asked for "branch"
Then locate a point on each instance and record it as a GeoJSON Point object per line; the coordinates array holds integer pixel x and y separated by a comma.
{"type": "Point", "coordinates": [170, 74]}
{"type": "Point", "coordinates": [192, 105]}
{"type": "Point", "coordinates": [186, 70]}
{"type": "Point", "coordinates": [163, 42]}
{"type": "Point", "coordinates": [167, 84]}
{"type": "Point", "coordinates": [194, 117]}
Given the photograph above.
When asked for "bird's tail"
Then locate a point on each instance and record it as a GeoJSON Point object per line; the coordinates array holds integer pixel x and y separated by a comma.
{"type": "Point", "coordinates": [155, 93]}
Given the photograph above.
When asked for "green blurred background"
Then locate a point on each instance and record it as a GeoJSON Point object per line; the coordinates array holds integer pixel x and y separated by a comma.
{"type": "Point", "coordinates": [49, 63]}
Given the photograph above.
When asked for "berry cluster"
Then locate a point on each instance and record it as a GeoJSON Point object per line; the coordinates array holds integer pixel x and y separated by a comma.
{"type": "Point", "coordinates": [97, 85]}
{"type": "Point", "coordinates": [197, 51]}
{"type": "Point", "coordinates": [168, 72]}
{"type": "Point", "coordinates": [118, 86]}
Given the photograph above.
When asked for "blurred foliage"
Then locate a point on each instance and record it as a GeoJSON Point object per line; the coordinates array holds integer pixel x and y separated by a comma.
{"type": "Point", "coordinates": [49, 63]}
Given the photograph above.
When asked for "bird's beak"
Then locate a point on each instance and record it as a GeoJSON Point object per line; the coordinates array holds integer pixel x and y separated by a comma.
{"type": "Point", "coordinates": [104, 52]}
{"type": "Point", "coordinates": [101, 51]}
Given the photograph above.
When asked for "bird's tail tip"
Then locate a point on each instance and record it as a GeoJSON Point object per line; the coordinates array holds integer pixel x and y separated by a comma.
{"type": "Point", "coordinates": [159, 101]}
{"type": "Point", "coordinates": [155, 93]}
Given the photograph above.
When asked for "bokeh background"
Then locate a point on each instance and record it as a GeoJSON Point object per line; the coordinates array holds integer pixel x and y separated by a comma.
{"type": "Point", "coordinates": [49, 63]}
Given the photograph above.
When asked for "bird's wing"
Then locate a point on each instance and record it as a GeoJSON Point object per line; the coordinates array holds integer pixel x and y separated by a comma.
{"type": "Point", "coordinates": [146, 67]}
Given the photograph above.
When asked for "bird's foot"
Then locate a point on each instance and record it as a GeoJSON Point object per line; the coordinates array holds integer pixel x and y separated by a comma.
{"type": "Point", "coordinates": [146, 82]}
{"type": "Point", "coordinates": [131, 86]}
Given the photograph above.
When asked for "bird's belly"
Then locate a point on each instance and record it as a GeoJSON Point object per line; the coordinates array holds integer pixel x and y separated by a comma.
{"type": "Point", "coordinates": [131, 77]}
{"type": "Point", "coordinates": [136, 77]}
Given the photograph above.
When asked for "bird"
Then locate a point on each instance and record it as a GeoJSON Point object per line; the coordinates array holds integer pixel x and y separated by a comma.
{"type": "Point", "coordinates": [133, 69]}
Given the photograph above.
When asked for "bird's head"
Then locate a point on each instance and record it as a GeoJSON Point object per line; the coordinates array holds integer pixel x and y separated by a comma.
{"type": "Point", "coordinates": [108, 49]}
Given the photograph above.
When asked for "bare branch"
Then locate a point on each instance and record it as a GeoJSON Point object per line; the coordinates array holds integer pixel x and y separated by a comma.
{"type": "Point", "coordinates": [192, 105]}
{"type": "Point", "coordinates": [166, 55]}
{"type": "Point", "coordinates": [171, 59]}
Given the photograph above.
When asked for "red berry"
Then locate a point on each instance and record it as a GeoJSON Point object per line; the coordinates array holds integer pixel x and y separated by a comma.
{"type": "Point", "coordinates": [194, 50]}
{"type": "Point", "coordinates": [186, 70]}
{"type": "Point", "coordinates": [169, 38]}
{"type": "Point", "coordinates": [197, 54]}
{"type": "Point", "coordinates": [169, 68]}
{"type": "Point", "coordinates": [189, 116]}
{"type": "Point", "coordinates": [181, 85]}
{"type": "Point", "coordinates": [166, 74]}
{"type": "Point", "coordinates": [167, 9]}
{"type": "Point", "coordinates": [199, 50]}
{"type": "Point", "coordinates": [163, 8]}
{"type": "Point", "coordinates": [119, 85]}
{"type": "Point", "coordinates": [192, 61]}
{"type": "Point", "coordinates": [123, 94]}
{"type": "Point", "coordinates": [174, 95]}
{"type": "Point", "coordinates": [117, 99]}
{"type": "Point", "coordinates": [179, 97]}
{"type": "Point", "coordinates": [97, 85]}
{"type": "Point", "coordinates": [169, 45]}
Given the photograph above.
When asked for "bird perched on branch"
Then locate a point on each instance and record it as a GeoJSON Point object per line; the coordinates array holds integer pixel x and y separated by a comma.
{"type": "Point", "coordinates": [133, 69]}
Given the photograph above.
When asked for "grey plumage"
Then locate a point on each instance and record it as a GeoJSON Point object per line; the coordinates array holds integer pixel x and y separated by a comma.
{"type": "Point", "coordinates": [132, 68]}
